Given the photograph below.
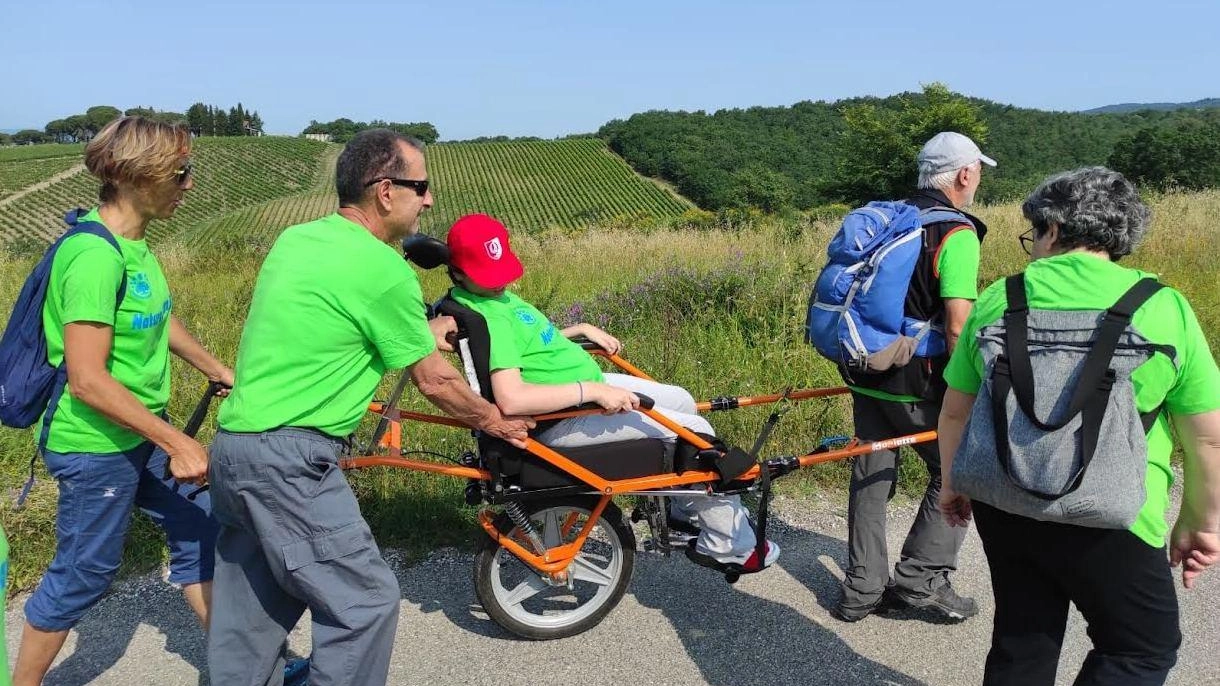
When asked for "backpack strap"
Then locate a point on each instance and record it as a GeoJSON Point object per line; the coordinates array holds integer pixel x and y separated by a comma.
{"type": "Point", "coordinates": [1014, 373]}
{"type": "Point", "coordinates": [939, 213]}
{"type": "Point", "coordinates": [75, 227]}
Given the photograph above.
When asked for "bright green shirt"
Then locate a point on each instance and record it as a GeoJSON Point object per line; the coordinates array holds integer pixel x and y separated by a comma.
{"type": "Point", "coordinates": [523, 338]}
{"type": "Point", "coordinates": [957, 265]}
{"type": "Point", "coordinates": [85, 278]}
{"type": "Point", "coordinates": [1187, 384]}
{"type": "Point", "coordinates": [333, 309]}
{"type": "Point", "coordinates": [4, 675]}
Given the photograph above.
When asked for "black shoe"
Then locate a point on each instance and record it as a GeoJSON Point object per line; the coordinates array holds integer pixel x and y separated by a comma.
{"type": "Point", "coordinates": [944, 599]}
{"type": "Point", "coordinates": [850, 613]}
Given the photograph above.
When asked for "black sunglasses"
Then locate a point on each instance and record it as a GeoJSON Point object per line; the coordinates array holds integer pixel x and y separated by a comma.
{"type": "Point", "coordinates": [420, 186]}
{"type": "Point", "coordinates": [184, 173]}
{"type": "Point", "coordinates": [1027, 241]}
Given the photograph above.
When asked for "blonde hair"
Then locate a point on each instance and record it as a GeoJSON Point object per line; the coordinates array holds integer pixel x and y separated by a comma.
{"type": "Point", "coordinates": [135, 150]}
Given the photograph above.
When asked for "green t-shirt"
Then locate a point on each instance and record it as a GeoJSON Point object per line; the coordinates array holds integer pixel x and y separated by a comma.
{"type": "Point", "coordinates": [523, 338]}
{"type": "Point", "coordinates": [1189, 384]}
{"type": "Point", "coordinates": [4, 675]}
{"type": "Point", "coordinates": [333, 309]}
{"type": "Point", "coordinates": [957, 266]}
{"type": "Point", "coordinates": [85, 278]}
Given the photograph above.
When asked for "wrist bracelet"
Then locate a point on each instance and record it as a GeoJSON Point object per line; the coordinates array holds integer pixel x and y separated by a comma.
{"type": "Point", "coordinates": [580, 387]}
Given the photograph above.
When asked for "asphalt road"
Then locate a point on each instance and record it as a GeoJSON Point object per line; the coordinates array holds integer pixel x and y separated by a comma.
{"type": "Point", "coordinates": [679, 624]}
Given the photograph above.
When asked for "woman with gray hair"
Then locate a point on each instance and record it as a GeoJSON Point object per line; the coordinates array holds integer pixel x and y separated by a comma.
{"type": "Point", "coordinates": [1072, 541]}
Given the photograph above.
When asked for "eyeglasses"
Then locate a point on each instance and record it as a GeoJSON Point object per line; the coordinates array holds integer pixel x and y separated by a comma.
{"type": "Point", "coordinates": [420, 186]}
{"type": "Point", "coordinates": [1027, 241]}
{"type": "Point", "coordinates": [184, 173]}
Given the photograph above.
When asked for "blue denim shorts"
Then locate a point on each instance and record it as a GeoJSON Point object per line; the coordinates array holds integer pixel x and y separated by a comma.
{"type": "Point", "coordinates": [97, 493]}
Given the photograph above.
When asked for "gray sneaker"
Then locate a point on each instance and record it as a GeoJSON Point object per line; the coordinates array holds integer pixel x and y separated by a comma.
{"type": "Point", "coordinates": [944, 599]}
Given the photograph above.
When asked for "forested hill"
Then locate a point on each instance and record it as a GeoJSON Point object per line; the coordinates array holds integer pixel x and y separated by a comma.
{"type": "Point", "coordinates": [731, 158]}
{"type": "Point", "coordinates": [1136, 106]}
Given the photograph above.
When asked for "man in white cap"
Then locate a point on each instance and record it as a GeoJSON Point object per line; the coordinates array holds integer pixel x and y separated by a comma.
{"type": "Point", "coordinates": [906, 400]}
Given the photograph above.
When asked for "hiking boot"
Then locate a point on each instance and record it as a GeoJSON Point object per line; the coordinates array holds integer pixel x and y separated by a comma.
{"type": "Point", "coordinates": [944, 599]}
{"type": "Point", "coordinates": [854, 613]}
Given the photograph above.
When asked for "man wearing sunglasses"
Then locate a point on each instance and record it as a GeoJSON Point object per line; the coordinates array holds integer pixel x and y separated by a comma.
{"type": "Point", "coordinates": [334, 308]}
{"type": "Point", "coordinates": [905, 400]}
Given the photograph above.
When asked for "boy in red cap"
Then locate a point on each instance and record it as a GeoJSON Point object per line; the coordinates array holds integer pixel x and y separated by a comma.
{"type": "Point", "coordinates": [536, 369]}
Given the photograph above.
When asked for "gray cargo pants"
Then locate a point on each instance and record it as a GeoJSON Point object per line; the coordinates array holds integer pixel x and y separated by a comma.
{"type": "Point", "coordinates": [292, 538]}
{"type": "Point", "coordinates": [930, 551]}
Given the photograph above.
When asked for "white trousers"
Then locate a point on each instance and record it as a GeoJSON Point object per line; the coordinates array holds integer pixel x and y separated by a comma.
{"type": "Point", "coordinates": [722, 520]}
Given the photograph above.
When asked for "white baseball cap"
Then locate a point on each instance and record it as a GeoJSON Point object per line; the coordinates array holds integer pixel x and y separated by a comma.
{"type": "Point", "coordinates": [950, 151]}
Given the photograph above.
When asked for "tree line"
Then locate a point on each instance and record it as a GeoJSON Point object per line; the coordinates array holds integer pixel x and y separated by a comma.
{"type": "Point", "coordinates": [813, 154]}
{"type": "Point", "coordinates": [341, 130]}
{"type": "Point", "coordinates": [202, 119]}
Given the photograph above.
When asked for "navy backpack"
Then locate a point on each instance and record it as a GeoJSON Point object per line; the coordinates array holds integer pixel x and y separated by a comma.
{"type": "Point", "coordinates": [29, 385]}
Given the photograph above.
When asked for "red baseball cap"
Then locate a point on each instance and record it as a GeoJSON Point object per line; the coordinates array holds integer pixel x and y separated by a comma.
{"type": "Point", "coordinates": [478, 245]}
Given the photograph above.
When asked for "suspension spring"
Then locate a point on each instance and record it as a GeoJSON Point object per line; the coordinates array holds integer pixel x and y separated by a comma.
{"type": "Point", "coordinates": [516, 513]}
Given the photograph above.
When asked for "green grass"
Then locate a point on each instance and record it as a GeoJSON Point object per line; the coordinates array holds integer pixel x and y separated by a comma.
{"type": "Point", "coordinates": [717, 311]}
{"type": "Point", "coordinates": [19, 153]}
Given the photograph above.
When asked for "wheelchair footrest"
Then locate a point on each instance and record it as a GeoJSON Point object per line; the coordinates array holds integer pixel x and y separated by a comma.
{"type": "Point", "coordinates": [731, 570]}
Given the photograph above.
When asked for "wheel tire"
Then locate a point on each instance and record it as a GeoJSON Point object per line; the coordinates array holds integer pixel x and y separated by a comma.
{"type": "Point", "coordinates": [487, 570]}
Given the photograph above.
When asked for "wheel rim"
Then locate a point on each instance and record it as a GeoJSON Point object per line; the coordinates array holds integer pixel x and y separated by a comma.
{"type": "Point", "coordinates": [523, 594]}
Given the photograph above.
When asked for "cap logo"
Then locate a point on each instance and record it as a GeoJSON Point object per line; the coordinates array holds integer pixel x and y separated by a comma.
{"type": "Point", "coordinates": [494, 249]}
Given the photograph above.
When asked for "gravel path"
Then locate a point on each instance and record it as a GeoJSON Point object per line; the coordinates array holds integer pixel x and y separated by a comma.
{"type": "Point", "coordinates": [679, 624]}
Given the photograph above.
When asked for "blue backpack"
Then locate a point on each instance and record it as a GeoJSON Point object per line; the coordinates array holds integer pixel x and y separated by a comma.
{"type": "Point", "coordinates": [857, 315]}
{"type": "Point", "coordinates": [29, 385]}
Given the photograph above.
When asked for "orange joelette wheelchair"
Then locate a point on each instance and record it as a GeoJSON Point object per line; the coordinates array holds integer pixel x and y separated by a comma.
{"type": "Point", "coordinates": [558, 552]}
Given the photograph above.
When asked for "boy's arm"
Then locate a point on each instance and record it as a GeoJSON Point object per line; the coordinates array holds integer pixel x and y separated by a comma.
{"type": "Point", "coordinates": [515, 396]}
{"type": "Point", "coordinates": [607, 342]}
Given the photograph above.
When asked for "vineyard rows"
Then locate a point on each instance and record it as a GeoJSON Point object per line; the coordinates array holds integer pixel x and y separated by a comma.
{"type": "Point", "coordinates": [248, 190]}
{"type": "Point", "coordinates": [17, 175]}
{"type": "Point", "coordinates": [534, 185]}
{"type": "Point", "coordinates": [230, 174]}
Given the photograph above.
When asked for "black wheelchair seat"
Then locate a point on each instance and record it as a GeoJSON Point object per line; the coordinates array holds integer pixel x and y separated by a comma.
{"type": "Point", "coordinates": [521, 468]}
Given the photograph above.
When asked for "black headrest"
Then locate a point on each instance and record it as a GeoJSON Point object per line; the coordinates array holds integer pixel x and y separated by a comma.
{"type": "Point", "coordinates": [472, 330]}
{"type": "Point", "coordinates": [425, 251]}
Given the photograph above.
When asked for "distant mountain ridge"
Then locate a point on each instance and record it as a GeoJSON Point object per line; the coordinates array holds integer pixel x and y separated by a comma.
{"type": "Point", "coordinates": [1159, 106]}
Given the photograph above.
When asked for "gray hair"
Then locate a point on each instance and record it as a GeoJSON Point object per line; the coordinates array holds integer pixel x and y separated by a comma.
{"type": "Point", "coordinates": [1094, 207]}
{"type": "Point", "coordinates": [370, 154]}
{"type": "Point", "coordinates": [942, 180]}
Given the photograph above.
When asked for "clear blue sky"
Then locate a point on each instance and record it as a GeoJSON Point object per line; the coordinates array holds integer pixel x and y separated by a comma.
{"type": "Point", "coordinates": [551, 68]}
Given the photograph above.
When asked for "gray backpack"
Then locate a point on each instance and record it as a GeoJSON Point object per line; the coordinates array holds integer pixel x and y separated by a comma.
{"type": "Point", "coordinates": [1055, 434]}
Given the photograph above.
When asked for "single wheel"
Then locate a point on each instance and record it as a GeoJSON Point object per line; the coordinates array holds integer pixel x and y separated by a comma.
{"type": "Point", "coordinates": [539, 607]}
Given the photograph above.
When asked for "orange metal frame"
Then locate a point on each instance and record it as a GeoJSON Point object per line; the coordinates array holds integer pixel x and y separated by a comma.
{"type": "Point", "coordinates": [555, 561]}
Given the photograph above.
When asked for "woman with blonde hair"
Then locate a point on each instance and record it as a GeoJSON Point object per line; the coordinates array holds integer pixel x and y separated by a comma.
{"type": "Point", "coordinates": [108, 320]}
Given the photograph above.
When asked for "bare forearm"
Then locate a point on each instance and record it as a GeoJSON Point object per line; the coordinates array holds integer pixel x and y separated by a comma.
{"type": "Point", "coordinates": [949, 435]}
{"type": "Point", "coordinates": [113, 401]}
{"type": "Point", "coordinates": [951, 424]}
{"type": "Point", "coordinates": [444, 387]}
{"type": "Point", "coordinates": [573, 331]}
{"type": "Point", "coordinates": [184, 345]}
{"type": "Point", "coordinates": [530, 399]}
{"type": "Point", "coordinates": [1201, 469]}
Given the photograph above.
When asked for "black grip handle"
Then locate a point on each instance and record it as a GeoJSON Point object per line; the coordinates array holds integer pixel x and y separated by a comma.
{"type": "Point", "coordinates": [197, 417]}
{"type": "Point", "coordinates": [201, 408]}
{"type": "Point", "coordinates": [645, 402]}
